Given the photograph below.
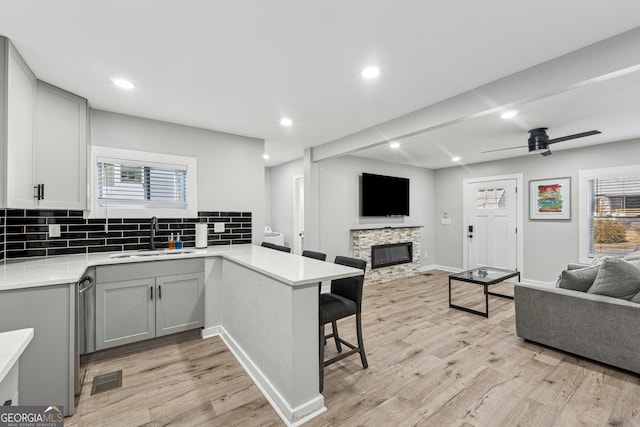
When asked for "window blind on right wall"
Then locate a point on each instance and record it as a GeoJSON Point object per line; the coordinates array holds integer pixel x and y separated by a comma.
{"type": "Point", "coordinates": [614, 219]}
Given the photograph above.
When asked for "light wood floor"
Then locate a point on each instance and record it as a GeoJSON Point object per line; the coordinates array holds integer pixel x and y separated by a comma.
{"type": "Point", "coordinates": [428, 366]}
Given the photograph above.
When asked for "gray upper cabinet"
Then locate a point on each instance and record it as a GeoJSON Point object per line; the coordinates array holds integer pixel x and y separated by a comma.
{"type": "Point", "coordinates": [45, 139]}
{"type": "Point", "coordinates": [60, 148]}
{"type": "Point", "coordinates": [20, 112]}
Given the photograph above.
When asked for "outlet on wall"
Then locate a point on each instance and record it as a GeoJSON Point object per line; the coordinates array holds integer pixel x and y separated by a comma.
{"type": "Point", "coordinates": [54, 230]}
{"type": "Point", "coordinates": [218, 227]}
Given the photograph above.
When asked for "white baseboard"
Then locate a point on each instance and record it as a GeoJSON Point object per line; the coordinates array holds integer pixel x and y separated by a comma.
{"type": "Point", "coordinates": [290, 416]}
{"type": "Point", "coordinates": [440, 267]}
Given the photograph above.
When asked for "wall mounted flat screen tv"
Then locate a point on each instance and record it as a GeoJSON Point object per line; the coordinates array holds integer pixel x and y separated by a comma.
{"type": "Point", "coordinates": [384, 195]}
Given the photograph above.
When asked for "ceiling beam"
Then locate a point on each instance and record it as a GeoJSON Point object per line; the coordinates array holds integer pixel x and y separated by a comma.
{"type": "Point", "coordinates": [607, 59]}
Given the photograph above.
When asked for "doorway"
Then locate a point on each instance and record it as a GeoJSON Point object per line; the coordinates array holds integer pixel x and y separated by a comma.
{"type": "Point", "coordinates": [298, 214]}
{"type": "Point", "coordinates": [492, 210]}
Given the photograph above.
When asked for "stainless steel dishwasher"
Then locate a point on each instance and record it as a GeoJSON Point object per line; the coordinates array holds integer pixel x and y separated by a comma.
{"type": "Point", "coordinates": [85, 321]}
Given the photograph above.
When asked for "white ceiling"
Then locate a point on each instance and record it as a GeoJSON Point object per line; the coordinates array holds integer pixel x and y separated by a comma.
{"type": "Point", "coordinates": [239, 66]}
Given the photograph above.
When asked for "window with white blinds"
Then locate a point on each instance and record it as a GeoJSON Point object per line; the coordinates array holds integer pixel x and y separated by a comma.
{"type": "Point", "coordinates": [614, 223]}
{"type": "Point", "coordinates": [610, 211]}
{"type": "Point", "coordinates": [150, 186]}
{"type": "Point", "coordinates": [142, 184]}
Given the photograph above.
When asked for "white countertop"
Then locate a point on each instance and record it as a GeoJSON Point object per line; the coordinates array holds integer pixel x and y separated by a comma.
{"type": "Point", "coordinates": [12, 344]}
{"type": "Point", "coordinates": [293, 270]}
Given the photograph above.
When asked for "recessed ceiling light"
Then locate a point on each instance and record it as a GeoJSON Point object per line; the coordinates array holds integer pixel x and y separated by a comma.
{"type": "Point", "coordinates": [122, 83]}
{"type": "Point", "coordinates": [265, 156]}
{"type": "Point", "coordinates": [455, 159]}
{"type": "Point", "coordinates": [286, 121]}
{"type": "Point", "coordinates": [394, 144]}
{"type": "Point", "coordinates": [509, 114]}
{"type": "Point", "coordinates": [370, 72]}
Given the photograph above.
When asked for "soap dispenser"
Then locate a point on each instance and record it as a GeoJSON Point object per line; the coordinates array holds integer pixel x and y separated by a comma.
{"type": "Point", "coordinates": [178, 242]}
{"type": "Point", "coordinates": [171, 242]}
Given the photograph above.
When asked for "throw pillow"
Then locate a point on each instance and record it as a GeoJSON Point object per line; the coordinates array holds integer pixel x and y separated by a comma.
{"type": "Point", "coordinates": [633, 256]}
{"type": "Point", "coordinates": [578, 280]}
{"type": "Point", "coordinates": [617, 278]}
{"type": "Point", "coordinates": [599, 258]}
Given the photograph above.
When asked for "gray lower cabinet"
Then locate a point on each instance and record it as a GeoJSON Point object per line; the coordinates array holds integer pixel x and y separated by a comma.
{"type": "Point", "coordinates": [125, 312]}
{"type": "Point", "coordinates": [46, 367]}
{"type": "Point", "coordinates": [179, 303]}
{"type": "Point", "coordinates": [133, 310]}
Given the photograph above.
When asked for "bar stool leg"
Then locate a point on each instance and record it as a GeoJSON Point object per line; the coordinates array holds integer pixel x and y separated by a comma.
{"type": "Point", "coordinates": [363, 357]}
{"type": "Point", "coordinates": [336, 337]}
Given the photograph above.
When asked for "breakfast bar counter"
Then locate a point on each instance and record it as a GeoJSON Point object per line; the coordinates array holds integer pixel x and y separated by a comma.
{"type": "Point", "coordinates": [261, 302]}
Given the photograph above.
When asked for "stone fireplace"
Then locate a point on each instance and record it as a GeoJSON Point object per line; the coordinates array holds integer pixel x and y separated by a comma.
{"type": "Point", "coordinates": [391, 252]}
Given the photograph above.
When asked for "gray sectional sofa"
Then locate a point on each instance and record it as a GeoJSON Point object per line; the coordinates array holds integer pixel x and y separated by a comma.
{"type": "Point", "coordinates": [586, 320]}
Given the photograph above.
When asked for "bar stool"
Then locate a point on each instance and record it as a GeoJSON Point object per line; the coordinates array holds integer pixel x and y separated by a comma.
{"type": "Point", "coordinates": [344, 300]}
{"type": "Point", "coordinates": [315, 255]}
{"type": "Point", "coordinates": [276, 247]}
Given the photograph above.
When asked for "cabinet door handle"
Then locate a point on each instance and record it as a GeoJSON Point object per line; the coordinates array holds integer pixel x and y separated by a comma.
{"type": "Point", "coordinates": [159, 291]}
{"type": "Point", "coordinates": [39, 191]}
{"type": "Point", "coordinates": [151, 292]}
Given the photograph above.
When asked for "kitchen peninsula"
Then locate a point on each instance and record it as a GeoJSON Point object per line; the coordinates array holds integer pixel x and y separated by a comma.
{"type": "Point", "coordinates": [262, 303]}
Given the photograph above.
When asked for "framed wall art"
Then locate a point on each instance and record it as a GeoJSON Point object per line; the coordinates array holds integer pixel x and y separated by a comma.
{"type": "Point", "coordinates": [550, 198]}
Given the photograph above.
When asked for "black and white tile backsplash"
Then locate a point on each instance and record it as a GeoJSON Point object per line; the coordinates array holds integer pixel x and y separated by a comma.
{"type": "Point", "coordinates": [25, 232]}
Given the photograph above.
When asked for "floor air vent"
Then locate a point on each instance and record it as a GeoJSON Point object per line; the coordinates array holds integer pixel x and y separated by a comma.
{"type": "Point", "coordinates": [106, 382]}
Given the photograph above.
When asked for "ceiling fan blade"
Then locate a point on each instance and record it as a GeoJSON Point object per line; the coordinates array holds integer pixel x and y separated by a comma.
{"type": "Point", "coordinates": [574, 136]}
{"type": "Point", "coordinates": [502, 149]}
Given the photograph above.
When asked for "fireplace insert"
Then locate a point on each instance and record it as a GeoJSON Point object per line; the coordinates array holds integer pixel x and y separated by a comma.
{"type": "Point", "coordinates": [391, 254]}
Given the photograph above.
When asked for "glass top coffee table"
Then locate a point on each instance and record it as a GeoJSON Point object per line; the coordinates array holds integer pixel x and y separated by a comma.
{"type": "Point", "coordinates": [484, 276]}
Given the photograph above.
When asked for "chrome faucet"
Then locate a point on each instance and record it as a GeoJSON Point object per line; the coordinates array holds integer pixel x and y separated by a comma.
{"type": "Point", "coordinates": [152, 233]}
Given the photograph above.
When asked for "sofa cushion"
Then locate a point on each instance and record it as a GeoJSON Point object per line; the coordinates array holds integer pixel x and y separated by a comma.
{"type": "Point", "coordinates": [578, 280]}
{"type": "Point", "coordinates": [636, 299]}
{"type": "Point", "coordinates": [617, 278]}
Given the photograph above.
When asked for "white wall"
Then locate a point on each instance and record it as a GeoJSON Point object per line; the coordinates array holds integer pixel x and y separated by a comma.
{"type": "Point", "coordinates": [231, 173]}
{"type": "Point", "coordinates": [548, 245]}
{"type": "Point", "coordinates": [339, 203]}
{"type": "Point", "coordinates": [282, 198]}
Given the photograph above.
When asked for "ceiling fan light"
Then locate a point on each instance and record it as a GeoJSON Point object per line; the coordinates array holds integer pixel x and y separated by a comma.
{"type": "Point", "coordinates": [538, 140]}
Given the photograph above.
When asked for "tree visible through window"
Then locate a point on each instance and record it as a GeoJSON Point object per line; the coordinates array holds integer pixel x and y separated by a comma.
{"type": "Point", "coordinates": [614, 223]}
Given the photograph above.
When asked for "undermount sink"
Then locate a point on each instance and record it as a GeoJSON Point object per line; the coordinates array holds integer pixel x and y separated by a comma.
{"type": "Point", "coordinates": [142, 254]}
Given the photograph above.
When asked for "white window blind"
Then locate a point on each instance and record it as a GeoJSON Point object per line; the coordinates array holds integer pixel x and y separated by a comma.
{"type": "Point", "coordinates": [615, 200]}
{"type": "Point", "coordinates": [133, 184]}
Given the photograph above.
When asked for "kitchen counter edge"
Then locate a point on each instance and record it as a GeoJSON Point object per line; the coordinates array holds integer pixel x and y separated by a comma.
{"type": "Point", "coordinates": [291, 269]}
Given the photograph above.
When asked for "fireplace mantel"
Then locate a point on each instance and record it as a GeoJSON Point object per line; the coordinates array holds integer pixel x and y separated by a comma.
{"type": "Point", "coordinates": [385, 228]}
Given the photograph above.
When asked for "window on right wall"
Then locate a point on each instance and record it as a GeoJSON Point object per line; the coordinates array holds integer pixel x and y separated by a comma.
{"type": "Point", "coordinates": [609, 211]}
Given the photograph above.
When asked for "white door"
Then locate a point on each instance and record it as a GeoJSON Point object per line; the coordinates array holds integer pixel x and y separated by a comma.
{"type": "Point", "coordinates": [298, 215]}
{"type": "Point", "coordinates": [491, 224]}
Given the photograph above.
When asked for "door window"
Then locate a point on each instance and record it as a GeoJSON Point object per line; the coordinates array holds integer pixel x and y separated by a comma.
{"type": "Point", "coordinates": [491, 198]}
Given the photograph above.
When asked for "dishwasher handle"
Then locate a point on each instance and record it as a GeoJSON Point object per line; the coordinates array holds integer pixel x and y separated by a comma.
{"type": "Point", "coordinates": [85, 284]}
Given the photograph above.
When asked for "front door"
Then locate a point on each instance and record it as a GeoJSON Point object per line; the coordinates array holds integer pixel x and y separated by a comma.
{"type": "Point", "coordinates": [491, 224]}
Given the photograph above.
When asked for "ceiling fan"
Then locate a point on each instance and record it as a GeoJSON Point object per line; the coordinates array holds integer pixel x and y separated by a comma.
{"type": "Point", "coordinates": [539, 141]}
